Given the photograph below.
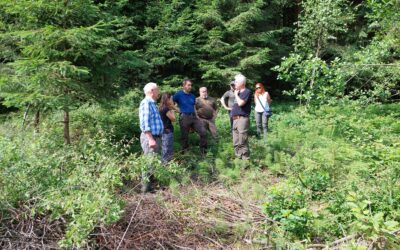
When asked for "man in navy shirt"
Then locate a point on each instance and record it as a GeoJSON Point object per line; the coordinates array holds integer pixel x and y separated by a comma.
{"type": "Point", "coordinates": [241, 118]}
{"type": "Point", "coordinates": [188, 117]}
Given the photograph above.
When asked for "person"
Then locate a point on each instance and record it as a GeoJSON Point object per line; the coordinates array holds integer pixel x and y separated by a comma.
{"type": "Point", "coordinates": [152, 128]}
{"type": "Point", "coordinates": [227, 100]}
{"type": "Point", "coordinates": [262, 100]}
{"type": "Point", "coordinates": [188, 118]}
{"type": "Point", "coordinates": [168, 117]}
{"type": "Point", "coordinates": [206, 109]}
{"type": "Point", "coordinates": [240, 114]}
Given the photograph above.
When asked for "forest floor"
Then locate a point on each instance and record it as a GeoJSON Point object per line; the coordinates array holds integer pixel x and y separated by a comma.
{"type": "Point", "coordinates": [325, 178]}
{"type": "Point", "coordinates": [189, 217]}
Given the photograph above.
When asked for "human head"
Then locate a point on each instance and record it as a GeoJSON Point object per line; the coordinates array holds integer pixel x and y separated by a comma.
{"type": "Point", "coordinates": [187, 85]}
{"type": "Point", "coordinates": [203, 92]}
{"type": "Point", "coordinates": [240, 81]}
{"type": "Point", "coordinates": [232, 85]}
{"type": "Point", "coordinates": [259, 89]}
{"type": "Point", "coordinates": [166, 101]}
{"type": "Point", "coordinates": [151, 90]}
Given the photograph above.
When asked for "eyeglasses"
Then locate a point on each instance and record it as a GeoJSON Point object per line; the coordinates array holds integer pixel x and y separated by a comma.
{"type": "Point", "coordinates": [258, 87]}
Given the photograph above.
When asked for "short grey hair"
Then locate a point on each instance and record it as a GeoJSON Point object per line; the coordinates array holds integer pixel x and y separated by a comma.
{"type": "Point", "coordinates": [240, 79]}
{"type": "Point", "coordinates": [149, 87]}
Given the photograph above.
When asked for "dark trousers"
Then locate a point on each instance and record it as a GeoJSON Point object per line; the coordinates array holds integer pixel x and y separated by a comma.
{"type": "Point", "coordinates": [230, 119]}
{"type": "Point", "coordinates": [191, 121]}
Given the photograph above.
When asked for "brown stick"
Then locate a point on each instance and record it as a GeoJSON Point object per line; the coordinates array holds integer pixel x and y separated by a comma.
{"type": "Point", "coordinates": [130, 221]}
{"type": "Point", "coordinates": [67, 138]}
{"type": "Point", "coordinates": [36, 120]}
{"type": "Point", "coordinates": [26, 115]}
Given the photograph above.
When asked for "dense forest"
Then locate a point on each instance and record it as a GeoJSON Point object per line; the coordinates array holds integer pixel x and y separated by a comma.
{"type": "Point", "coordinates": [71, 79]}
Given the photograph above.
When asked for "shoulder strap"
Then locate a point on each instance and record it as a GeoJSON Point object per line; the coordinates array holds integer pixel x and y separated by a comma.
{"type": "Point", "coordinates": [261, 104]}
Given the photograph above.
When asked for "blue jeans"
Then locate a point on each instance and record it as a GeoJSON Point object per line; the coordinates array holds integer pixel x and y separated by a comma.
{"type": "Point", "coordinates": [261, 123]}
{"type": "Point", "coordinates": [167, 147]}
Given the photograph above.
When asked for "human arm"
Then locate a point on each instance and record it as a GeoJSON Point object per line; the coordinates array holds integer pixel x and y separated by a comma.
{"type": "Point", "coordinates": [144, 117]}
{"type": "Point", "coordinates": [175, 99]}
{"type": "Point", "coordinates": [175, 108]}
{"type": "Point", "coordinates": [268, 99]}
{"type": "Point", "coordinates": [223, 103]}
{"type": "Point", "coordinates": [171, 115]}
{"type": "Point", "coordinates": [215, 108]}
{"type": "Point", "coordinates": [152, 142]}
{"type": "Point", "coordinates": [214, 105]}
{"type": "Point", "coordinates": [241, 102]}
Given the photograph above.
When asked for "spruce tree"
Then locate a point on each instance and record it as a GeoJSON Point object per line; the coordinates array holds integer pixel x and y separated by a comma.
{"type": "Point", "coordinates": [63, 53]}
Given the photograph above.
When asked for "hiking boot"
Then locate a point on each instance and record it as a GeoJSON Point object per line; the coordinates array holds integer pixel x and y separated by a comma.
{"type": "Point", "coordinates": [146, 187]}
{"type": "Point", "coordinates": [203, 152]}
{"type": "Point", "coordinates": [149, 184]}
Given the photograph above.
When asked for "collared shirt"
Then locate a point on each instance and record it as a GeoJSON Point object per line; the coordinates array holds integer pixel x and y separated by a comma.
{"type": "Point", "coordinates": [185, 101]}
{"type": "Point", "coordinates": [244, 110]}
{"type": "Point", "coordinates": [206, 107]}
{"type": "Point", "coordinates": [149, 116]}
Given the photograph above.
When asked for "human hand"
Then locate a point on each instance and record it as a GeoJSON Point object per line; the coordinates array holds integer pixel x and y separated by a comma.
{"type": "Point", "coordinates": [152, 143]}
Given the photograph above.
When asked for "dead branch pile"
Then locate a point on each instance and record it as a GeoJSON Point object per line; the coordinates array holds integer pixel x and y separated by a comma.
{"type": "Point", "coordinates": [21, 230]}
{"type": "Point", "coordinates": [147, 224]}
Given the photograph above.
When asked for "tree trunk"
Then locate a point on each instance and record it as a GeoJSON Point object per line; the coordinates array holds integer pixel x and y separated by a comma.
{"type": "Point", "coordinates": [317, 54]}
{"type": "Point", "coordinates": [36, 121]}
{"type": "Point", "coordinates": [67, 138]}
{"type": "Point", "coordinates": [26, 115]}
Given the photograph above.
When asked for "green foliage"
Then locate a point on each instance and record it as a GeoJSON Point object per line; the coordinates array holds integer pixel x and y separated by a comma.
{"type": "Point", "coordinates": [165, 174]}
{"type": "Point", "coordinates": [76, 183]}
{"type": "Point", "coordinates": [286, 204]}
{"type": "Point", "coordinates": [315, 78]}
{"type": "Point", "coordinates": [210, 41]}
{"type": "Point", "coordinates": [341, 170]}
{"type": "Point", "coordinates": [319, 23]}
{"type": "Point", "coordinates": [335, 169]}
{"type": "Point", "coordinates": [117, 117]}
{"type": "Point", "coordinates": [373, 226]}
{"type": "Point", "coordinates": [65, 54]}
{"type": "Point", "coordinates": [325, 66]}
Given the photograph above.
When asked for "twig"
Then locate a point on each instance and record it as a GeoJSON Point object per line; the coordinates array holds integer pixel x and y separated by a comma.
{"type": "Point", "coordinates": [260, 242]}
{"type": "Point", "coordinates": [342, 240]}
{"type": "Point", "coordinates": [26, 115]}
{"type": "Point", "coordinates": [375, 65]}
{"type": "Point", "coordinates": [130, 221]}
{"type": "Point", "coordinates": [211, 240]}
{"type": "Point", "coordinates": [316, 246]}
{"type": "Point", "coordinates": [158, 243]}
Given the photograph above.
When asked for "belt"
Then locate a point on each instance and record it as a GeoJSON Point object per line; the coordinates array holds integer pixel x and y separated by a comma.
{"type": "Point", "coordinates": [167, 131]}
{"type": "Point", "coordinates": [235, 117]}
{"type": "Point", "coordinates": [156, 136]}
{"type": "Point", "coordinates": [189, 114]}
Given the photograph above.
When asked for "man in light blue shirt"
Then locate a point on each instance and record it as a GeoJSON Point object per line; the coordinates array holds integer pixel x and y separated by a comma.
{"type": "Point", "coordinates": [152, 128]}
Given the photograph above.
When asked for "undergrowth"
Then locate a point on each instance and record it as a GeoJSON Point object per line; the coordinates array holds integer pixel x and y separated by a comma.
{"type": "Point", "coordinates": [321, 173]}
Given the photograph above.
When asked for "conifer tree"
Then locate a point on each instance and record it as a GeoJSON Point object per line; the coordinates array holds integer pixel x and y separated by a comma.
{"type": "Point", "coordinates": [63, 53]}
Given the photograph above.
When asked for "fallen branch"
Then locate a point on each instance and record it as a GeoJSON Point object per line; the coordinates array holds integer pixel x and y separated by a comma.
{"type": "Point", "coordinates": [130, 221]}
